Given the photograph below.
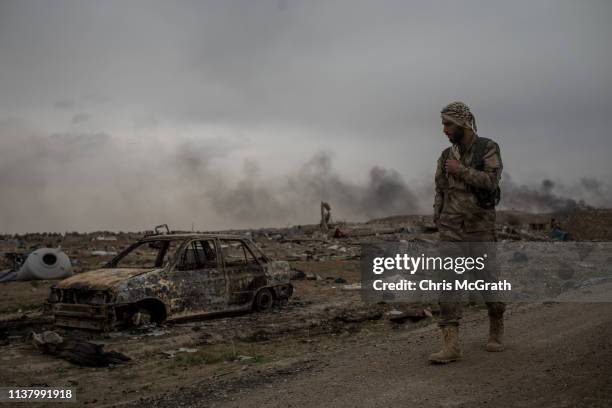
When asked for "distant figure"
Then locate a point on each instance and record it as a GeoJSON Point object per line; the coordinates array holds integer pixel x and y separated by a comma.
{"type": "Point", "coordinates": [325, 216]}
{"type": "Point", "coordinates": [467, 190]}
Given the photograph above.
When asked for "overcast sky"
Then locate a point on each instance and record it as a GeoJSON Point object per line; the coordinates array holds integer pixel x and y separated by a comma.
{"type": "Point", "coordinates": [125, 114]}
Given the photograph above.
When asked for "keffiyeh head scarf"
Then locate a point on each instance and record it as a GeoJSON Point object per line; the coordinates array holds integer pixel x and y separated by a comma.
{"type": "Point", "coordinates": [459, 113]}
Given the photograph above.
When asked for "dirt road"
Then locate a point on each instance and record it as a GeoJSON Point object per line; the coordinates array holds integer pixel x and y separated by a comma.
{"type": "Point", "coordinates": [559, 355]}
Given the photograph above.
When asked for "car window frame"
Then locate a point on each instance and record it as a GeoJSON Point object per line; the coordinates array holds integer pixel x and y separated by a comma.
{"type": "Point", "coordinates": [186, 244]}
{"type": "Point", "coordinates": [244, 245]}
{"type": "Point", "coordinates": [161, 252]}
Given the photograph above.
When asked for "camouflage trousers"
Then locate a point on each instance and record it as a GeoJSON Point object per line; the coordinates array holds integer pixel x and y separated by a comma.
{"type": "Point", "coordinates": [472, 244]}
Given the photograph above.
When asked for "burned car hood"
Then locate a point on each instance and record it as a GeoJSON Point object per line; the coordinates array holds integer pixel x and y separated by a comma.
{"type": "Point", "coordinates": [278, 271]}
{"type": "Point", "coordinates": [100, 279]}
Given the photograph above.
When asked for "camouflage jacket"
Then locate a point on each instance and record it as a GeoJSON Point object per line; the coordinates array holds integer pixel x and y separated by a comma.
{"type": "Point", "coordinates": [455, 204]}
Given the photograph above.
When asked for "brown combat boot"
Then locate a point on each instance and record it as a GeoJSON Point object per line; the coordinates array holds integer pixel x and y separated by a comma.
{"type": "Point", "coordinates": [450, 346]}
{"type": "Point", "coordinates": [496, 332]}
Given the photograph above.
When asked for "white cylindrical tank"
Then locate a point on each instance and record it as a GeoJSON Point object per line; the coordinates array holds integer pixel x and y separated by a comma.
{"type": "Point", "coordinates": [45, 264]}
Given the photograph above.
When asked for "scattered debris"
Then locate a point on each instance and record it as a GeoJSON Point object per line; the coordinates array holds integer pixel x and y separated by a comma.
{"type": "Point", "coordinates": [328, 310]}
{"type": "Point", "coordinates": [413, 315]}
{"type": "Point", "coordinates": [339, 234]}
{"type": "Point", "coordinates": [8, 276]}
{"type": "Point", "coordinates": [106, 238]}
{"type": "Point", "coordinates": [77, 352]}
{"type": "Point", "coordinates": [559, 235]}
{"type": "Point", "coordinates": [103, 253]}
{"type": "Point", "coordinates": [13, 260]}
{"type": "Point", "coordinates": [23, 321]}
{"type": "Point", "coordinates": [359, 316]}
{"type": "Point", "coordinates": [313, 276]}
{"type": "Point", "coordinates": [173, 353]}
{"type": "Point", "coordinates": [156, 333]}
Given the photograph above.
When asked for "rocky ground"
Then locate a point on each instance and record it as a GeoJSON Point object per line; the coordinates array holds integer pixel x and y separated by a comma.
{"type": "Point", "coordinates": [321, 318]}
{"type": "Point", "coordinates": [558, 355]}
{"type": "Point", "coordinates": [326, 347]}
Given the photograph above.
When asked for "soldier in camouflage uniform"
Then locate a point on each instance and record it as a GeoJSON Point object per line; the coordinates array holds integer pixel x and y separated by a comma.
{"type": "Point", "coordinates": [467, 178]}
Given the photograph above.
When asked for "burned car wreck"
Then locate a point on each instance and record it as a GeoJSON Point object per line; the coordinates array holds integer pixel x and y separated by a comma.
{"type": "Point", "coordinates": [172, 277]}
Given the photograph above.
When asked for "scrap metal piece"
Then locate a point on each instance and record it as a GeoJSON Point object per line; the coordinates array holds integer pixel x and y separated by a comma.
{"type": "Point", "coordinates": [77, 352]}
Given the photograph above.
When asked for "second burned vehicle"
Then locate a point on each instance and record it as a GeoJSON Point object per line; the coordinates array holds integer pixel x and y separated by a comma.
{"type": "Point", "coordinates": [172, 277]}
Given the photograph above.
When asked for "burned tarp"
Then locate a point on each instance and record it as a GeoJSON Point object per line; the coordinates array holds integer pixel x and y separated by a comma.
{"type": "Point", "coordinates": [77, 352]}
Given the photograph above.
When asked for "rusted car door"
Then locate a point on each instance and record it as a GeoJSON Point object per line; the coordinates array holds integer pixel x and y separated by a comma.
{"type": "Point", "coordinates": [243, 272]}
{"type": "Point", "coordinates": [199, 279]}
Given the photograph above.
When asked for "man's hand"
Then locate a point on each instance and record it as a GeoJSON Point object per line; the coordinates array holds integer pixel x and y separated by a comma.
{"type": "Point", "coordinates": [452, 166]}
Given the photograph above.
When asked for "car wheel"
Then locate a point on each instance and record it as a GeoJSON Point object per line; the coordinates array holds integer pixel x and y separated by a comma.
{"type": "Point", "coordinates": [264, 300]}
